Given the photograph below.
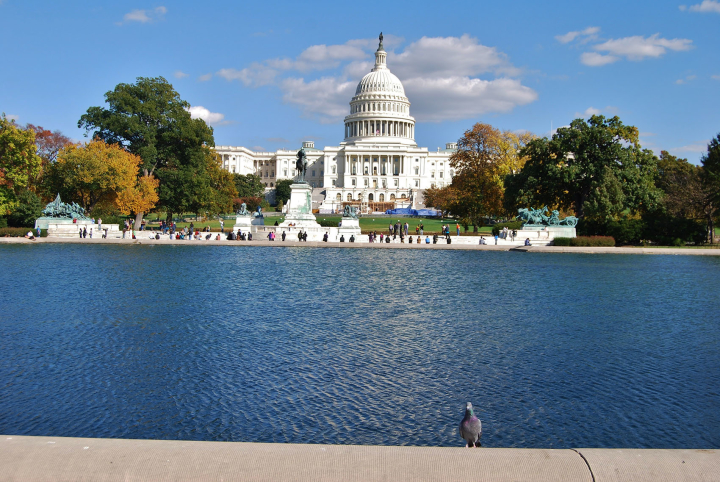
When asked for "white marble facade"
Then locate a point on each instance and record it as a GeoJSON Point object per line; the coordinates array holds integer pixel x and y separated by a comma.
{"type": "Point", "coordinates": [378, 160]}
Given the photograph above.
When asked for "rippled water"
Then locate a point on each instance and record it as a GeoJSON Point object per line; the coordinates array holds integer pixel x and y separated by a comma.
{"type": "Point", "coordinates": [359, 346]}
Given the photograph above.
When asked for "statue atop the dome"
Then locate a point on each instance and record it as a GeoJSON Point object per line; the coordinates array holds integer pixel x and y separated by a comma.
{"type": "Point", "coordinates": [381, 40]}
{"type": "Point", "coordinates": [301, 164]}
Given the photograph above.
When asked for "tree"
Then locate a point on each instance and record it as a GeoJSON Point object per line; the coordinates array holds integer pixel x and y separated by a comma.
{"type": "Point", "coordinates": [150, 119]}
{"type": "Point", "coordinates": [29, 208]}
{"type": "Point", "coordinates": [711, 183]}
{"type": "Point", "coordinates": [249, 185]}
{"type": "Point", "coordinates": [282, 190]}
{"type": "Point", "coordinates": [596, 168]}
{"type": "Point", "coordinates": [19, 163]}
{"type": "Point", "coordinates": [48, 145]}
{"type": "Point", "coordinates": [101, 172]}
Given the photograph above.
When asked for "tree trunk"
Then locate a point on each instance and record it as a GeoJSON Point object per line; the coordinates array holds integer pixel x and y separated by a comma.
{"type": "Point", "coordinates": [169, 217]}
{"type": "Point", "coordinates": [138, 220]}
{"type": "Point", "coordinates": [712, 229]}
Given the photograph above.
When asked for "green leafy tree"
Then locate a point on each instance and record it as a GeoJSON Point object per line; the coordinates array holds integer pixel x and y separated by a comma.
{"type": "Point", "coordinates": [596, 168]}
{"type": "Point", "coordinates": [150, 119]}
{"type": "Point", "coordinates": [282, 190]}
{"type": "Point", "coordinates": [29, 208]}
{"type": "Point", "coordinates": [249, 185]}
{"type": "Point", "coordinates": [711, 184]}
{"type": "Point", "coordinates": [19, 163]}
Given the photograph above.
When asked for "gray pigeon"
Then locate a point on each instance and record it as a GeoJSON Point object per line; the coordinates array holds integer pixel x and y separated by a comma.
{"type": "Point", "coordinates": [471, 427]}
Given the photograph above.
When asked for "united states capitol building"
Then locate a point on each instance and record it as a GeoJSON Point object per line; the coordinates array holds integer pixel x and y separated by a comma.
{"type": "Point", "coordinates": [378, 166]}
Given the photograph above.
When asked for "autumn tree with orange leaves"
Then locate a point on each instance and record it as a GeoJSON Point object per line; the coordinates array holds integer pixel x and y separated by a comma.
{"type": "Point", "coordinates": [102, 174]}
{"type": "Point", "coordinates": [485, 155]}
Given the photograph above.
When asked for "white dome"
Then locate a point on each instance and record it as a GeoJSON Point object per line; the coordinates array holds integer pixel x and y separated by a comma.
{"type": "Point", "coordinates": [379, 82]}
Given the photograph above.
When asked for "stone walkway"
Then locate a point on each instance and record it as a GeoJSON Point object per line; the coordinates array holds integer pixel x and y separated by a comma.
{"type": "Point", "coordinates": [310, 244]}
{"type": "Point", "coordinates": [83, 459]}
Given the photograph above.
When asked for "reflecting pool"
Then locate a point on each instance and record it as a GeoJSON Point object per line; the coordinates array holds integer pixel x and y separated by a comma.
{"type": "Point", "coordinates": [359, 346]}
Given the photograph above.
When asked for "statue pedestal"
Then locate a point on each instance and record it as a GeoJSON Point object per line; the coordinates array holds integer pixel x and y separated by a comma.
{"type": "Point", "coordinates": [65, 228]}
{"type": "Point", "coordinates": [245, 222]}
{"type": "Point", "coordinates": [299, 208]}
{"type": "Point", "coordinates": [544, 233]}
{"type": "Point", "coordinates": [349, 227]}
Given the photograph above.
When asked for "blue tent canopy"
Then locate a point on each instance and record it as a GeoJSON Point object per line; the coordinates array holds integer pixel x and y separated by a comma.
{"type": "Point", "coordinates": [412, 212]}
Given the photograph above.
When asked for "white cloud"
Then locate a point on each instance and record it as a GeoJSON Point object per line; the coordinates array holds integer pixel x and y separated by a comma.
{"type": "Point", "coordinates": [12, 117]}
{"type": "Point", "coordinates": [697, 147]}
{"type": "Point", "coordinates": [706, 6]}
{"type": "Point", "coordinates": [440, 76]}
{"type": "Point", "coordinates": [716, 77]}
{"type": "Point", "coordinates": [591, 111]}
{"type": "Point", "coordinates": [327, 97]}
{"type": "Point", "coordinates": [638, 47]}
{"type": "Point", "coordinates": [589, 33]}
{"type": "Point", "coordinates": [453, 98]}
{"type": "Point", "coordinates": [594, 59]}
{"type": "Point", "coordinates": [179, 74]}
{"type": "Point", "coordinates": [211, 118]}
{"type": "Point", "coordinates": [686, 79]}
{"type": "Point", "coordinates": [449, 56]}
{"type": "Point", "coordinates": [145, 16]}
{"type": "Point", "coordinates": [205, 78]}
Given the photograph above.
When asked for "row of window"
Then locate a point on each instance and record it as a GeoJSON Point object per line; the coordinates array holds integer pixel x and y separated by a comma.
{"type": "Point", "coordinates": [371, 197]}
{"type": "Point", "coordinates": [379, 107]}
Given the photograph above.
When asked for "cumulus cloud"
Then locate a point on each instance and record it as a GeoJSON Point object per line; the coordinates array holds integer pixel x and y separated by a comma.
{"type": "Point", "coordinates": [594, 59]}
{"type": "Point", "coordinates": [633, 48]}
{"type": "Point", "coordinates": [707, 6]}
{"type": "Point", "coordinates": [205, 78]}
{"type": "Point", "coordinates": [179, 74]}
{"type": "Point", "coordinates": [440, 75]}
{"type": "Point", "coordinates": [145, 16]}
{"type": "Point", "coordinates": [639, 47]}
{"type": "Point", "coordinates": [586, 35]}
{"type": "Point", "coordinates": [210, 118]}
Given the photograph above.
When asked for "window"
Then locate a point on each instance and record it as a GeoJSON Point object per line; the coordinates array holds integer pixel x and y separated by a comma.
{"type": "Point", "coordinates": [354, 182]}
{"type": "Point", "coordinates": [384, 183]}
{"type": "Point", "coordinates": [417, 183]}
{"type": "Point", "coordinates": [285, 172]}
{"type": "Point", "coordinates": [349, 197]}
{"type": "Point", "coordinates": [370, 197]}
{"type": "Point", "coordinates": [417, 170]}
{"type": "Point", "coordinates": [366, 183]}
{"type": "Point", "coordinates": [382, 198]}
{"type": "Point", "coordinates": [333, 183]}
{"type": "Point", "coordinates": [322, 173]}
{"type": "Point", "coordinates": [272, 174]}
{"type": "Point", "coordinates": [313, 173]}
{"type": "Point", "coordinates": [271, 185]}
{"type": "Point", "coordinates": [441, 174]}
{"type": "Point", "coordinates": [338, 197]}
{"type": "Point", "coordinates": [374, 170]}
{"type": "Point", "coordinates": [354, 169]}
{"type": "Point", "coordinates": [396, 183]}
{"type": "Point", "coordinates": [233, 168]}
{"type": "Point", "coordinates": [366, 170]}
{"type": "Point", "coordinates": [392, 197]}
{"type": "Point", "coordinates": [432, 173]}
{"type": "Point", "coordinates": [333, 169]}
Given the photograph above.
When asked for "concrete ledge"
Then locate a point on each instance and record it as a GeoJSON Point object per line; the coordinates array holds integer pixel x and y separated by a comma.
{"type": "Point", "coordinates": [56, 458]}
{"type": "Point", "coordinates": [79, 459]}
{"type": "Point", "coordinates": [319, 244]}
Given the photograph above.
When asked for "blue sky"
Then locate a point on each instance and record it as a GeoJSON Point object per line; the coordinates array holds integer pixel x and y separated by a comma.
{"type": "Point", "coordinates": [268, 75]}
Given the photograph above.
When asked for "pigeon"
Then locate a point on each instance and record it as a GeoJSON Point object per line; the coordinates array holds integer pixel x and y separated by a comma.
{"type": "Point", "coordinates": [471, 427]}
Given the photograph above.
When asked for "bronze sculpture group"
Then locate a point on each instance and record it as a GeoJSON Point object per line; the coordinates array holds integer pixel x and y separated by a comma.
{"type": "Point", "coordinates": [537, 217]}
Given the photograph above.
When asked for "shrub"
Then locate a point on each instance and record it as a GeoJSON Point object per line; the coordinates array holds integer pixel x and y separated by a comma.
{"type": "Point", "coordinates": [509, 224]}
{"type": "Point", "coordinates": [328, 223]}
{"type": "Point", "coordinates": [561, 241]}
{"type": "Point", "coordinates": [14, 232]}
{"type": "Point", "coordinates": [585, 241]}
{"type": "Point", "coordinates": [279, 207]}
{"type": "Point", "coordinates": [3, 222]}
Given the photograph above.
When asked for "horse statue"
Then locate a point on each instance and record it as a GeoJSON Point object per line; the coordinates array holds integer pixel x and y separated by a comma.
{"type": "Point", "coordinates": [537, 217]}
{"type": "Point", "coordinates": [301, 164]}
{"type": "Point", "coordinates": [59, 209]}
{"type": "Point", "coordinates": [258, 213]}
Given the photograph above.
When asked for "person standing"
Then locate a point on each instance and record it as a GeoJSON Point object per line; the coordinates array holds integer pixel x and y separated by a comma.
{"type": "Point", "coordinates": [84, 232]}
{"type": "Point", "coordinates": [222, 226]}
{"type": "Point", "coordinates": [457, 228]}
{"type": "Point", "coordinates": [99, 224]}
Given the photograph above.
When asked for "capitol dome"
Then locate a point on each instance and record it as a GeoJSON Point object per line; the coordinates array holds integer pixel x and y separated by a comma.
{"type": "Point", "coordinates": [380, 108]}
